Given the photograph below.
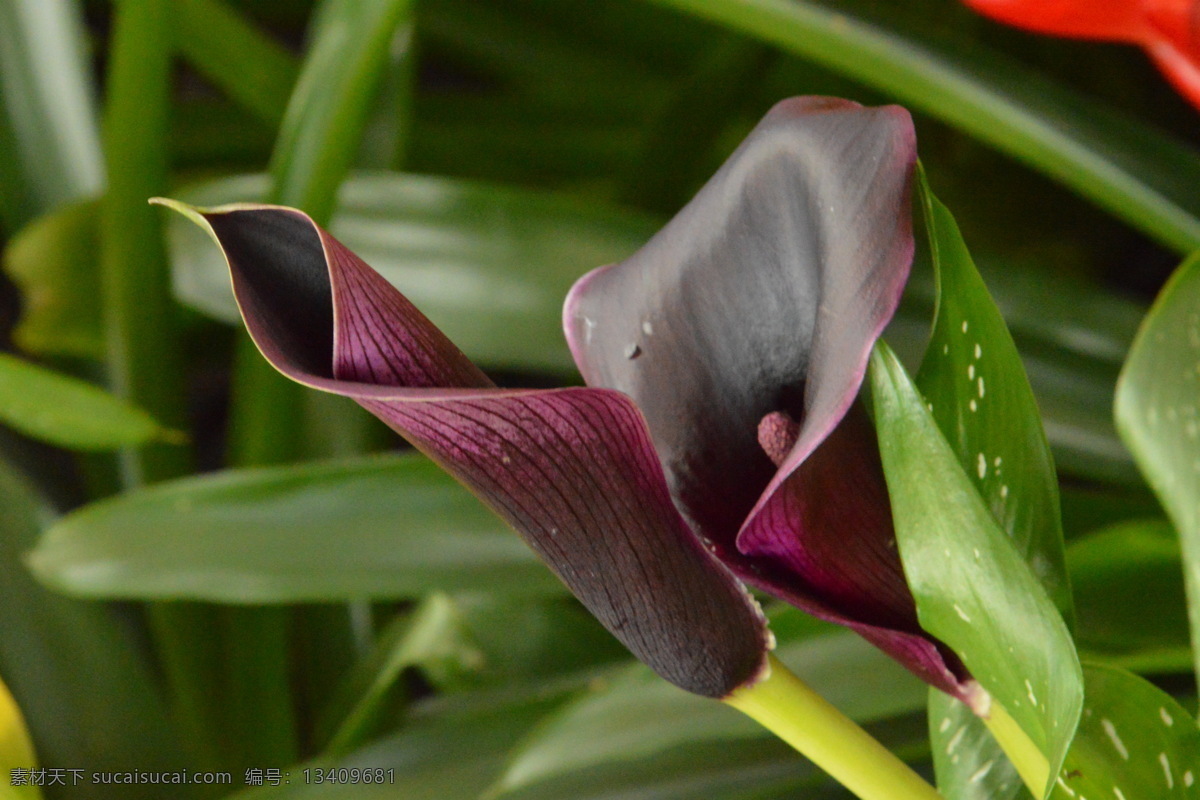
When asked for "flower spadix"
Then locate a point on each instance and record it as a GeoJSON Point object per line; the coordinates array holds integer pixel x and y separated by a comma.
{"type": "Point", "coordinates": [718, 440]}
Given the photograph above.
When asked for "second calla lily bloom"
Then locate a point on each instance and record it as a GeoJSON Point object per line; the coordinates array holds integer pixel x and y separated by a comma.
{"type": "Point", "coordinates": [719, 439]}
{"type": "Point", "coordinates": [1166, 29]}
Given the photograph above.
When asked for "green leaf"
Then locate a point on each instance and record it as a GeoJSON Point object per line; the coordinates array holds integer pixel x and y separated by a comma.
{"type": "Point", "coordinates": [1134, 741]}
{"type": "Point", "coordinates": [1073, 335]}
{"type": "Point", "coordinates": [89, 698]}
{"type": "Point", "coordinates": [968, 761]}
{"type": "Point", "coordinates": [680, 745]}
{"type": "Point", "coordinates": [974, 382]}
{"type": "Point", "coordinates": [973, 588]}
{"type": "Point", "coordinates": [1159, 417]}
{"type": "Point", "coordinates": [69, 412]}
{"type": "Point", "coordinates": [53, 261]}
{"type": "Point", "coordinates": [489, 265]}
{"type": "Point", "coordinates": [465, 642]}
{"type": "Point", "coordinates": [1128, 582]}
{"type": "Point", "coordinates": [246, 64]}
{"type": "Point", "coordinates": [388, 527]}
{"type": "Point", "coordinates": [46, 99]}
{"type": "Point", "coordinates": [331, 102]}
{"type": "Point", "coordinates": [973, 379]}
{"type": "Point", "coordinates": [430, 636]}
{"type": "Point", "coordinates": [1136, 173]}
{"type": "Point", "coordinates": [448, 749]}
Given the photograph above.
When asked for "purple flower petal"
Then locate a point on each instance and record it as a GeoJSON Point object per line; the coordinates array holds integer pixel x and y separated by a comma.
{"type": "Point", "coordinates": [742, 331]}
{"type": "Point", "coordinates": [572, 470]}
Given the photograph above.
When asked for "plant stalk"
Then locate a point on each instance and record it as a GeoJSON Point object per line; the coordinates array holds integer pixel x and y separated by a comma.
{"type": "Point", "coordinates": [788, 707]}
{"type": "Point", "coordinates": [1031, 764]}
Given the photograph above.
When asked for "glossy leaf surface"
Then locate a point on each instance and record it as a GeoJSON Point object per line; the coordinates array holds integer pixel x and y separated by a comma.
{"type": "Point", "coordinates": [973, 378]}
{"type": "Point", "coordinates": [336, 531]}
{"type": "Point", "coordinates": [47, 101]}
{"type": "Point", "coordinates": [69, 412]}
{"type": "Point", "coordinates": [53, 262]}
{"type": "Point", "coordinates": [1133, 171]}
{"type": "Point", "coordinates": [51, 654]}
{"type": "Point", "coordinates": [1134, 740]}
{"type": "Point", "coordinates": [679, 746]}
{"type": "Point", "coordinates": [1128, 583]}
{"type": "Point", "coordinates": [1158, 414]}
{"type": "Point", "coordinates": [974, 590]}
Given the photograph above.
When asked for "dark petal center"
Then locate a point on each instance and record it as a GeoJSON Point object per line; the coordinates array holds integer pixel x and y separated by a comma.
{"type": "Point", "coordinates": [287, 289]}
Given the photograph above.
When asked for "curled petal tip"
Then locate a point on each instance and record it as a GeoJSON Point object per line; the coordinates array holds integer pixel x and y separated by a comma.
{"type": "Point", "coordinates": [572, 470]}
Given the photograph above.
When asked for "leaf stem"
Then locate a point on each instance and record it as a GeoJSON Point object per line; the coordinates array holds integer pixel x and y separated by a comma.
{"type": "Point", "coordinates": [788, 707]}
{"type": "Point", "coordinates": [1031, 764]}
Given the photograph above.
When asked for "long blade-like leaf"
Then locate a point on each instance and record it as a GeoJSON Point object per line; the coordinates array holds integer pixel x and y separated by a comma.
{"type": "Point", "coordinates": [1131, 170]}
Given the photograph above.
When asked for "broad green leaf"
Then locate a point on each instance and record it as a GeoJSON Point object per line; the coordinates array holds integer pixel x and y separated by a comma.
{"type": "Point", "coordinates": [53, 262]}
{"type": "Point", "coordinates": [46, 98]}
{"type": "Point", "coordinates": [1133, 171]}
{"type": "Point", "coordinates": [469, 641]}
{"type": "Point", "coordinates": [974, 383]}
{"type": "Point", "coordinates": [675, 741]}
{"type": "Point", "coordinates": [17, 760]}
{"type": "Point", "coordinates": [90, 700]}
{"type": "Point", "coordinates": [387, 527]}
{"type": "Point", "coordinates": [431, 636]}
{"type": "Point", "coordinates": [1134, 740]}
{"type": "Point", "coordinates": [1158, 415]}
{"type": "Point", "coordinates": [490, 265]}
{"type": "Point", "coordinates": [1128, 583]}
{"type": "Point", "coordinates": [245, 63]}
{"type": "Point", "coordinates": [1073, 335]}
{"type": "Point", "coordinates": [968, 762]}
{"type": "Point", "coordinates": [69, 412]}
{"type": "Point", "coordinates": [448, 749]}
{"type": "Point", "coordinates": [973, 589]}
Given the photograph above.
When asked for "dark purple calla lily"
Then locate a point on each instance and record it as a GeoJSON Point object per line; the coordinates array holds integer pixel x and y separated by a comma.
{"type": "Point", "coordinates": [719, 437]}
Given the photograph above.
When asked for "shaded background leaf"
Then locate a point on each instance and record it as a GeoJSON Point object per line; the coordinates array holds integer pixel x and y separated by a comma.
{"type": "Point", "coordinates": [1159, 417]}
{"type": "Point", "coordinates": [379, 527]}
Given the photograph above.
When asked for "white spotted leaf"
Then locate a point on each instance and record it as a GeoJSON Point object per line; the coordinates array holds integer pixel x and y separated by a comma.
{"type": "Point", "coordinates": [1158, 415]}
{"type": "Point", "coordinates": [973, 378]}
{"type": "Point", "coordinates": [1134, 741]}
{"type": "Point", "coordinates": [967, 760]}
{"type": "Point", "coordinates": [974, 381]}
{"type": "Point", "coordinates": [973, 588]}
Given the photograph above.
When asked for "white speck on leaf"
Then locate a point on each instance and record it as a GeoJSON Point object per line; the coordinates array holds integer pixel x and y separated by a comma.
{"type": "Point", "coordinates": [1117, 744]}
{"type": "Point", "coordinates": [1166, 765]}
{"type": "Point", "coordinates": [982, 772]}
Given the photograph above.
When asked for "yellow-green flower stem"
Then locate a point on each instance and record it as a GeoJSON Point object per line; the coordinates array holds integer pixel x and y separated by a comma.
{"type": "Point", "coordinates": [1031, 764]}
{"type": "Point", "coordinates": [788, 707]}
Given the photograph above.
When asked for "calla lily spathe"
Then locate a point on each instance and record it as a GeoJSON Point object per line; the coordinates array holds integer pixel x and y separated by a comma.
{"type": "Point", "coordinates": [1166, 29]}
{"type": "Point", "coordinates": [718, 440]}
